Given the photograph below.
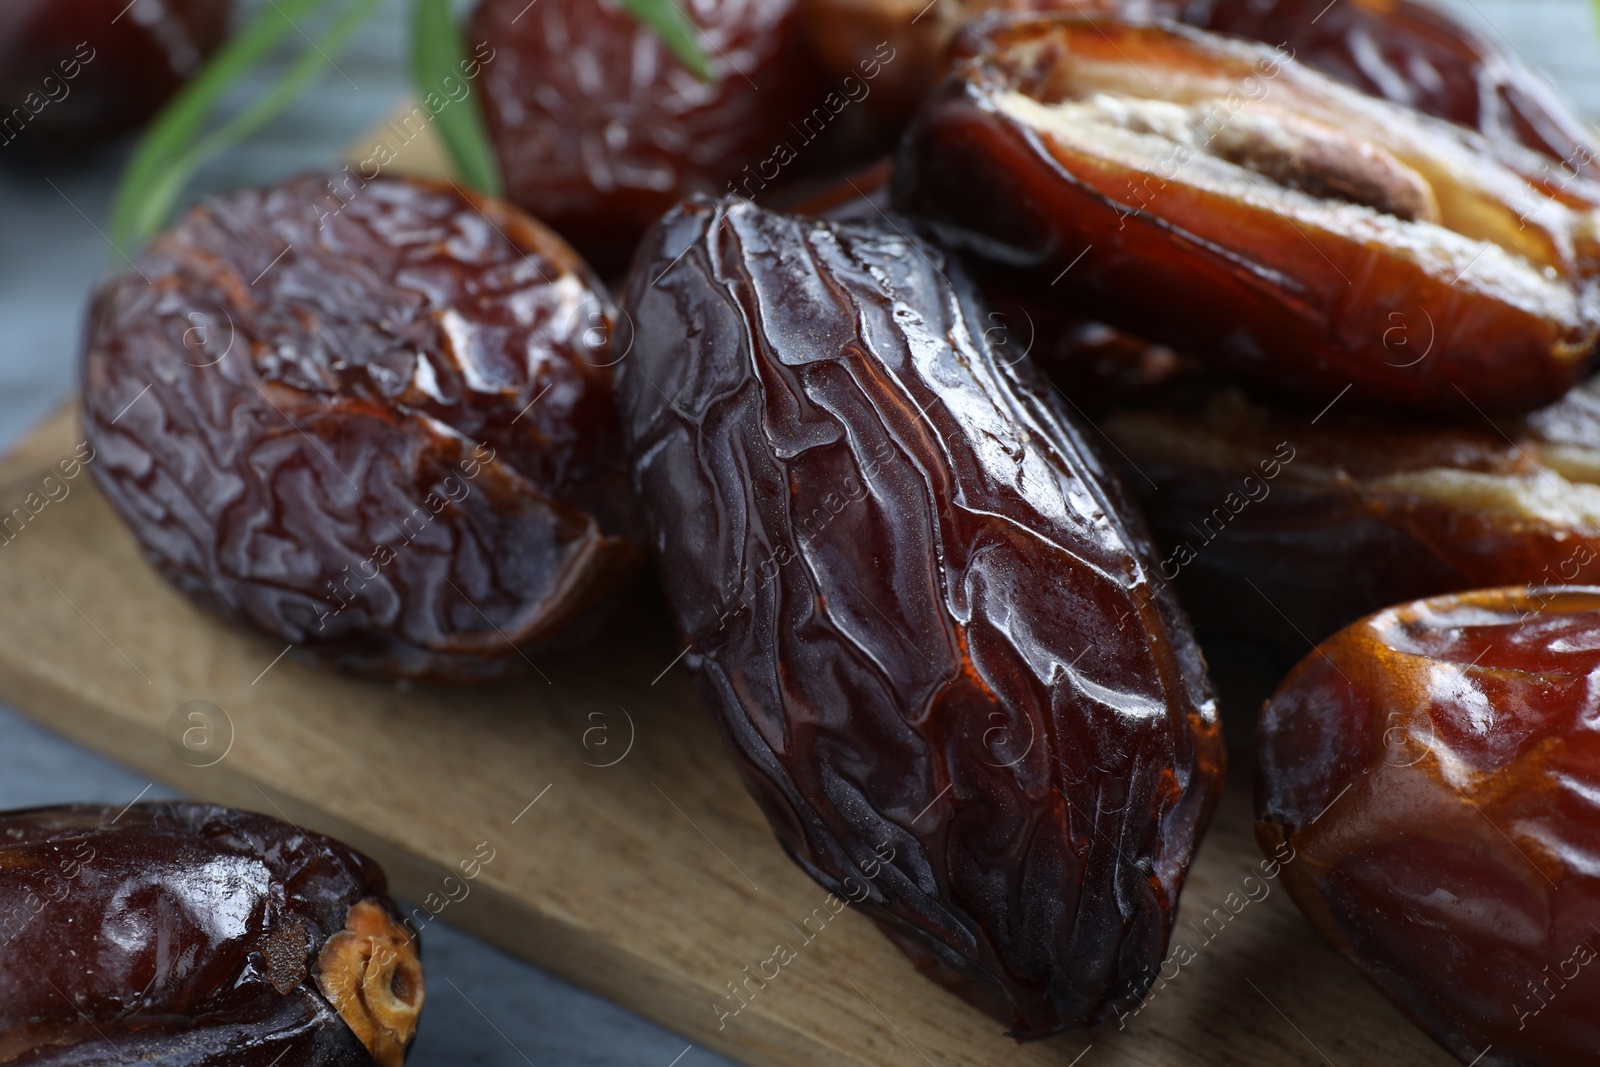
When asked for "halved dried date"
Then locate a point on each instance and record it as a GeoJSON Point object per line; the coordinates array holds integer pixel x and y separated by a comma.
{"type": "Point", "coordinates": [1434, 771]}
{"type": "Point", "coordinates": [600, 130]}
{"type": "Point", "coordinates": [373, 419]}
{"type": "Point", "coordinates": [1273, 513]}
{"type": "Point", "coordinates": [184, 935]}
{"type": "Point", "coordinates": [1415, 54]}
{"type": "Point", "coordinates": [75, 71]}
{"type": "Point", "coordinates": [1213, 194]}
{"type": "Point", "coordinates": [918, 605]}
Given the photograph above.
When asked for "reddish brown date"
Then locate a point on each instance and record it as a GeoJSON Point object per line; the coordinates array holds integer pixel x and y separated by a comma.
{"type": "Point", "coordinates": [1435, 770]}
{"type": "Point", "coordinates": [1265, 515]}
{"type": "Point", "coordinates": [1415, 54]}
{"type": "Point", "coordinates": [918, 606]}
{"type": "Point", "coordinates": [600, 130]}
{"type": "Point", "coordinates": [188, 935]}
{"type": "Point", "coordinates": [75, 71]}
{"type": "Point", "coordinates": [372, 420]}
{"type": "Point", "coordinates": [1215, 195]}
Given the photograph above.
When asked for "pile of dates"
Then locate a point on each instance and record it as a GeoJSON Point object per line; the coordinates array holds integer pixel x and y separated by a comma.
{"type": "Point", "coordinates": [959, 354]}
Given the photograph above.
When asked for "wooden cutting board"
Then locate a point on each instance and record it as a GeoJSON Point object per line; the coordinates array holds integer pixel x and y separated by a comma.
{"type": "Point", "coordinates": [625, 855]}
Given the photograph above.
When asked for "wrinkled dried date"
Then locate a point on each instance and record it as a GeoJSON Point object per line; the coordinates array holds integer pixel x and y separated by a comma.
{"type": "Point", "coordinates": [1215, 195]}
{"type": "Point", "coordinates": [75, 71]}
{"type": "Point", "coordinates": [371, 419]}
{"type": "Point", "coordinates": [1435, 771]}
{"type": "Point", "coordinates": [918, 606]}
{"type": "Point", "coordinates": [1361, 511]}
{"type": "Point", "coordinates": [185, 935]}
{"type": "Point", "coordinates": [1415, 54]}
{"type": "Point", "coordinates": [600, 130]}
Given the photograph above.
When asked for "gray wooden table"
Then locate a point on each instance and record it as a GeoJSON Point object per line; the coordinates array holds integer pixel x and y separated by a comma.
{"type": "Point", "coordinates": [484, 1008]}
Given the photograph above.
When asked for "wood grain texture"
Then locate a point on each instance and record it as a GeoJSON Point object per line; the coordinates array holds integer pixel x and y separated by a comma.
{"type": "Point", "coordinates": [653, 881]}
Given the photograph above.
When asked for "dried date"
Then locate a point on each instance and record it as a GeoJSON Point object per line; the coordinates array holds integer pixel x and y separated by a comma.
{"type": "Point", "coordinates": [1432, 771]}
{"type": "Point", "coordinates": [1214, 195]}
{"type": "Point", "coordinates": [600, 130]}
{"type": "Point", "coordinates": [1415, 54]}
{"type": "Point", "coordinates": [369, 418]}
{"type": "Point", "coordinates": [918, 607]}
{"type": "Point", "coordinates": [184, 935]}
{"type": "Point", "coordinates": [73, 72]}
{"type": "Point", "coordinates": [1267, 513]}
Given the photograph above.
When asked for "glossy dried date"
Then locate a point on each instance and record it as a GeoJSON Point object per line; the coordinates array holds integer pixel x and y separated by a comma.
{"type": "Point", "coordinates": [187, 935]}
{"type": "Point", "coordinates": [1273, 513]}
{"type": "Point", "coordinates": [1215, 195]}
{"type": "Point", "coordinates": [918, 607]}
{"type": "Point", "coordinates": [373, 419]}
{"type": "Point", "coordinates": [1415, 54]}
{"type": "Point", "coordinates": [600, 130]}
{"type": "Point", "coordinates": [75, 71]}
{"type": "Point", "coordinates": [1435, 770]}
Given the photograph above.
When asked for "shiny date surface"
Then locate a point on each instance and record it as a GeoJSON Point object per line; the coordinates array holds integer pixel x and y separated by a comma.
{"type": "Point", "coordinates": [1215, 195]}
{"type": "Point", "coordinates": [1433, 770]}
{"type": "Point", "coordinates": [1282, 524]}
{"type": "Point", "coordinates": [599, 129]}
{"type": "Point", "coordinates": [918, 606]}
{"type": "Point", "coordinates": [190, 935]}
{"type": "Point", "coordinates": [371, 418]}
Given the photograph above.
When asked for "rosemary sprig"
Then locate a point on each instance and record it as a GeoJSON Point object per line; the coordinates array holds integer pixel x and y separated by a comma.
{"type": "Point", "coordinates": [670, 24]}
{"type": "Point", "coordinates": [438, 55]}
{"type": "Point", "coordinates": [173, 148]}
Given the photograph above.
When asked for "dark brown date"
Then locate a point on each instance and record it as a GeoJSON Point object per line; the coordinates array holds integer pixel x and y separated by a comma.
{"type": "Point", "coordinates": [1215, 195]}
{"type": "Point", "coordinates": [73, 72]}
{"type": "Point", "coordinates": [1434, 771]}
{"type": "Point", "coordinates": [918, 606]}
{"type": "Point", "coordinates": [372, 419]}
{"type": "Point", "coordinates": [600, 130]}
{"type": "Point", "coordinates": [1415, 54]}
{"type": "Point", "coordinates": [189, 935]}
{"type": "Point", "coordinates": [1274, 513]}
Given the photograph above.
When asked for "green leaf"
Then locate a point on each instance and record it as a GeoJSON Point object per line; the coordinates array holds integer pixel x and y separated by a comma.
{"type": "Point", "coordinates": [438, 56]}
{"type": "Point", "coordinates": [172, 150]}
{"type": "Point", "coordinates": [670, 24]}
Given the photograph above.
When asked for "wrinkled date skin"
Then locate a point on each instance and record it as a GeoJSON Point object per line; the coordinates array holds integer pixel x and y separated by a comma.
{"type": "Point", "coordinates": [600, 130]}
{"type": "Point", "coordinates": [1263, 515]}
{"type": "Point", "coordinates": [1212, 194]}
{"type": "Point", "coordinates": [187, 935]}
{"type": "Point", "coordinates": [1414, 54]}
{"type": "Point", "coordinates": [918, 607]}
{"type": "Point", "coordinates": [73, 72]}
{"type": "Point", "coordinates": [374, 421]}
{"type": "Point", "coordinates": [1434, 770]}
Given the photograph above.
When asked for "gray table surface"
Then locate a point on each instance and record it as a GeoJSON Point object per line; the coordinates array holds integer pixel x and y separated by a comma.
{"type": "Point", "coordinates": [484, 1007]}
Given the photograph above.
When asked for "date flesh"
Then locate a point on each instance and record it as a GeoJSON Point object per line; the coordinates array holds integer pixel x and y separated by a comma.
{"type": "Point", "coordinates": [1264, 515]}
{"type": "Point", "coordinates": [185, 935]}
{"type": "Point", "coordinates": [918, 607]}
{"type": "Point", "coordinates": [600, 130]}
{"type": "Point", "coordinates": [73, 72]}
{"type": "Point", "coordinates": [372, 419]}
{"type": "Point", "coordinates": [1433, 769]}
{"type": "Point", "coordinates": [1212, 194]}
{"type": "Point", "coordinates": [1415, 54]}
